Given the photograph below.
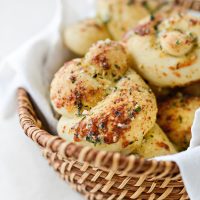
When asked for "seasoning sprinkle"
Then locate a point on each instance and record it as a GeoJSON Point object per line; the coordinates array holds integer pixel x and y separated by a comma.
{"type": "Point", "coordinates": [177, 42]}
{"type": "Point", "coordinates": [138, 108]}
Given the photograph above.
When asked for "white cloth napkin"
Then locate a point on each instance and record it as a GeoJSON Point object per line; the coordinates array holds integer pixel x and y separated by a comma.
{"type": "Point", "coordinates": [33, 65]}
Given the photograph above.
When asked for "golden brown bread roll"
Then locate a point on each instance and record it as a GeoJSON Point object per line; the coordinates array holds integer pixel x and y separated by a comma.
{"type": "Point", "coordinates": [119, 111]}
{"type": "Point", "coordinates": [166, 53]}
{"type": "Point", "coordinates": [175, 117]}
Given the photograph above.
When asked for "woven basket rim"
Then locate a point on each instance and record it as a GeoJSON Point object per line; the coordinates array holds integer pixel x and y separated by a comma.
{"type": "Point", "coordinates": [96, 158]}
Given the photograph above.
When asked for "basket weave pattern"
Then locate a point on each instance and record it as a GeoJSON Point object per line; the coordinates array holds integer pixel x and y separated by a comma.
{"type": "Point", "coordinates": [101, 175]}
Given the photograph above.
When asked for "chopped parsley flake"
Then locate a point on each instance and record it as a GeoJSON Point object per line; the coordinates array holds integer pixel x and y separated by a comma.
{"type": "Point", "coordinates": [152, 17]}
{"type": "Point", "coordinates": [93, 139]}
{"type": "Point", "coordinates": [102, 125]}
{"type": "Point", "coordinates": [79, 106]}
{"type": "Point", "coordinates": [177, 42]}
{"type": "Point", "coordinates": [137, 108]}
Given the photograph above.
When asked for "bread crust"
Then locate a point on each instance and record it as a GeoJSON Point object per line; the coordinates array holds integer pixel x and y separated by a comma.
{"type": "Point", "coordinates": [120, 111]}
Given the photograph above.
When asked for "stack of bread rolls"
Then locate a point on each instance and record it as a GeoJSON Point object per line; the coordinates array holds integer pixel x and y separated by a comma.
{"type": "Point", "coordinates": [136, 95]}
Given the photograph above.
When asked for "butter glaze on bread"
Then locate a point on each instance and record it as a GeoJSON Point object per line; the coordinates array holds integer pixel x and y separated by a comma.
{"type": "Point", "coordinates": [117, 114]}
{"type": "Point", "coordinates": [166, 52]}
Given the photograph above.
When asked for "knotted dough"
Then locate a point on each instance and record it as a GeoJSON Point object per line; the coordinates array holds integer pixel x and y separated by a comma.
{"type": "Point", "coordinates": [166, 52]}
{"type": "Point", "coordinates": [103, 103]}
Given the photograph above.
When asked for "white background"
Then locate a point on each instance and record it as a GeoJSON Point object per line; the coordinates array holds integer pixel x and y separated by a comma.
{"type": "Point", "coordinates": [24, 173]}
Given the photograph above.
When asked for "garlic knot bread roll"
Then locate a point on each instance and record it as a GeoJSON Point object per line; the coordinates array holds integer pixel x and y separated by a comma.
{"type": "Point", "coordinates": [121, 15]}
{"type": "Point", "coordinates": [175, 117]}
{"type": "Point", "coordinates": [118, 112]}
{"type": "Point", "coordinates": [166, 52]}
{"type": "Point", "coordinates": [80, 36]}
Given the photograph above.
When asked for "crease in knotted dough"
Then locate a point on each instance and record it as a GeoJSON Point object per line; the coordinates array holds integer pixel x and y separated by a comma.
{"type": "Point", "coordinates": [166, 51]}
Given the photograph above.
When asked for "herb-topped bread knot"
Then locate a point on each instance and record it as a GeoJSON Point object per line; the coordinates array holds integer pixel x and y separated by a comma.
{"type": "Point", "coordinates": [81, 83]}
{"type": "Point", "coordinates": [175, 117]}
{"type": "Point", "coordinates": [166, 52]}
{"type": "Point", "coordinates": [103, 102]}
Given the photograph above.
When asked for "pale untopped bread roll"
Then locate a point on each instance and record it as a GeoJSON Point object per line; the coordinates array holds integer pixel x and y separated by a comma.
{"type": "Point", "coordinates": [166, 53]}
{"type": "Point", "coordinates": [80, 36]}
{"type": "Point", "coordinates": [175, 117]}
{"type": "Point", "coordinates": [155, 143]}
{"type": "Point", "coordinates": [118, 114]}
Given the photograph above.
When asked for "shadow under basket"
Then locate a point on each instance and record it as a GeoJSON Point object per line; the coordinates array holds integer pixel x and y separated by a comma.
{"type": "Point", "coordinates": [102, 175]}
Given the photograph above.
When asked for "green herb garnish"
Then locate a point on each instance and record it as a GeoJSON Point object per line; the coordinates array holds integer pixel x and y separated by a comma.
{"type": "Point", "coordinates": [102, 125]}
{"type": "Point", "coordinates": [79, 106]}
{"type": "Point", "coordinates": [137, 108]}
{"type": "Point", "coordinates": [152, 17]}
{"type": "Point", "coordinates": [177, 42]}
{"type": "Point", "coordinates": [92, 138]}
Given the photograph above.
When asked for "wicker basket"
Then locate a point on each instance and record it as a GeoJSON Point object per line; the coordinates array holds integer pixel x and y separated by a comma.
{"type": "Point", "coordinates": [100, 175]}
